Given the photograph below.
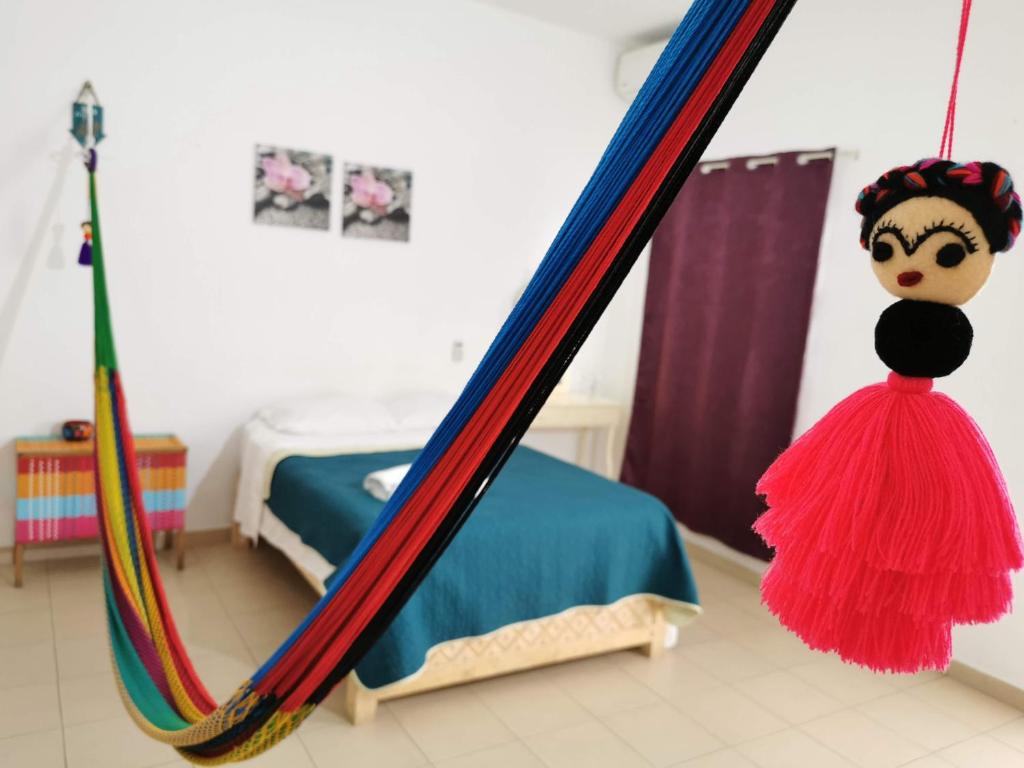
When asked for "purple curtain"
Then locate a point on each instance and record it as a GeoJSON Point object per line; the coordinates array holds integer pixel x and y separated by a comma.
{"type": "Point", "coordinates": [725, 323]}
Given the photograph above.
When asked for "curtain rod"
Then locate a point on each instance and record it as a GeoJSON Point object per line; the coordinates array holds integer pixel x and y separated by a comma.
{"type": "Point", "coordinates": [752, 163]}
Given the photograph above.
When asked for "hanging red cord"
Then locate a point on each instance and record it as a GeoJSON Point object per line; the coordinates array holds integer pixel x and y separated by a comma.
{"type": "Point", "coordinates": [946, 146]}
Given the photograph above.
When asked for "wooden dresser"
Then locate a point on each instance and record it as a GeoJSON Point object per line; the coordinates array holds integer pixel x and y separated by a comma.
{"type": "Point", "coordinates": [56, 500]}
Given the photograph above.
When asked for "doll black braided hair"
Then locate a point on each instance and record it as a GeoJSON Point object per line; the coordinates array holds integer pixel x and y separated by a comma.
{"type": "Point", "coordinates": [984, 189]}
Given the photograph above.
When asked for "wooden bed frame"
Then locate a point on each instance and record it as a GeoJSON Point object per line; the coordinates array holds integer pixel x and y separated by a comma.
{"type": "Point", "coordinates": [633, 622]}
{"type": "Point", "coordinates": [636, 622]}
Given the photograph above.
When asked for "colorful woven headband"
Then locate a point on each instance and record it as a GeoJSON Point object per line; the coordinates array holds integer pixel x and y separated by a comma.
{"type": "Point", "coordinates": [983, 188]}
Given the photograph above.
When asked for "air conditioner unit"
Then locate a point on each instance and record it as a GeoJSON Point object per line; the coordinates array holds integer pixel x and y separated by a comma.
{"type": "Point", "coordinates": [634, 67]}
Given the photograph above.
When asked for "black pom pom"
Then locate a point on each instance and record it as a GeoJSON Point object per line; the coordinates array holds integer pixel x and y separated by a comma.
{"type": "Point", "coordinates": [923, 339]}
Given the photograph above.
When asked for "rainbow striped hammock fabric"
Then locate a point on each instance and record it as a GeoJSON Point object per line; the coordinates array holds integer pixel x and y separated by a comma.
{"type": "Point", "coordinates": [663, 134]}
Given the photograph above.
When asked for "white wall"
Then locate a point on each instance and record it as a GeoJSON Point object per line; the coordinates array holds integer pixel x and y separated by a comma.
{"type": "Point", "coordinates": [873, 76]}
{"type": "Point", "coordinates": [501, 119]}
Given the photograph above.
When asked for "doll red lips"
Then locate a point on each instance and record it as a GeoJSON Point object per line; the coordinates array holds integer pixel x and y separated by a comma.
{"type": "Point", "coordinates": [908, 279]}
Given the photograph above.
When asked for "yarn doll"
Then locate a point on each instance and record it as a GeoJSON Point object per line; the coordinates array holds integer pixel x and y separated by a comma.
{"type": "Point", "coordinates": [890, 518]}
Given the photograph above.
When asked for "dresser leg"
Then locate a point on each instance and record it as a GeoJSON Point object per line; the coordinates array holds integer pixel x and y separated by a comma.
{"type": "Point", "coordinates": [179, 548]}
{"type": "Point", "coordinates": [19, 564]}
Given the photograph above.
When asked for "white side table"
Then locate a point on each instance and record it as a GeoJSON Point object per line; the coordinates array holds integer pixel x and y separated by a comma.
{"type": "Point", "coordinates": [588, 415]}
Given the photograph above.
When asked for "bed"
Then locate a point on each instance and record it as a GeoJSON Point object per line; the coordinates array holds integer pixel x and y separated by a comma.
{"type": "Point", "coordinates": [555, 563]}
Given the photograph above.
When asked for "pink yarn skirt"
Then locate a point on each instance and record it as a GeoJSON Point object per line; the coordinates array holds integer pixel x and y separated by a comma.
{"type": "Point", "coordinates": [891, 522]}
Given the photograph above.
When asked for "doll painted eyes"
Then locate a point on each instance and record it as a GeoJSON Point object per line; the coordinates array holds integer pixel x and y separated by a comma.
{"type": "Point", "coordinates": [950, 255]}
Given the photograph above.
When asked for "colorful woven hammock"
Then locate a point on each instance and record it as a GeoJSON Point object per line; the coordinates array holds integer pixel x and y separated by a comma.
{"type": "Point", "coordinates": [692, 87]}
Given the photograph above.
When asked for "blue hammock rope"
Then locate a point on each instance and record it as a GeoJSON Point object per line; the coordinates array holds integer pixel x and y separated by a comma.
{"type": "Point", "coordinates": [677, 71]}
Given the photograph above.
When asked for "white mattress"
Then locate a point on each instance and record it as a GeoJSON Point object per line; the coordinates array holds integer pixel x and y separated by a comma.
{"type": "Point", "coordinates": [263, 447]}
{"type": "Point", "coordinates": [280, 536]}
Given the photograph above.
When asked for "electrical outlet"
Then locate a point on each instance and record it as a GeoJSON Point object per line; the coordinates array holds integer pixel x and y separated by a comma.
{"type": "Point", "coordinates": [457, 351]}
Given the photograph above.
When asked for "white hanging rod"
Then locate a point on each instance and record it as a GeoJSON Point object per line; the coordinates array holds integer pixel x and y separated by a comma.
{"type": "Point", "coordinates": [753, 163]}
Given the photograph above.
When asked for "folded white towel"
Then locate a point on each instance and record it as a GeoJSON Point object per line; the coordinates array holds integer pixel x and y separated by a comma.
{"type": "Point", "coordinates": [382, 483]}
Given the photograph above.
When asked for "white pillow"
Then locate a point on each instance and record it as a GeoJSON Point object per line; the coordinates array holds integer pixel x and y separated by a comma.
{"type": "Point", "coordinates": [419, 410]}
{"type": "Point", "coordinates": [328, 415]}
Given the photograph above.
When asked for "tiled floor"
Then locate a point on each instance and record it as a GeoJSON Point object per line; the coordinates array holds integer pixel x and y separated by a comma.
{"type": "Point", "coordinates": [738, 692]}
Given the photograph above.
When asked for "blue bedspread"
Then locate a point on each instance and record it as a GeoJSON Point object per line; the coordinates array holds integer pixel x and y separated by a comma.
{"type": "Point", "coordinates": [546, 537]}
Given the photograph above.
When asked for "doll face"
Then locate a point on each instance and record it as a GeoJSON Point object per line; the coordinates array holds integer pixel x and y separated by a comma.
{"type": "Point", "coordinates": [930, 249]}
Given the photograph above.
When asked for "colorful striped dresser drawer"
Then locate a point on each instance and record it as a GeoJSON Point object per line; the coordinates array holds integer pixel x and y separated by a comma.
{"type": "Point", "coordinates": [56, 483]}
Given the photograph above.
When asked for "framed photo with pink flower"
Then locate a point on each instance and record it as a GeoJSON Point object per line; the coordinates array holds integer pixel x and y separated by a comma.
{"type": "Point", "coordinates": [377, 202]}
{"type": "Point", "coordinates": [292, 188]}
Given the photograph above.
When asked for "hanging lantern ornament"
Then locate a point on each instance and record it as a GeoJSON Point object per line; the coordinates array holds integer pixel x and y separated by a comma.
{"type": "Point", "coordinates": [87, 118]}
{"type": "Point", "coordinates": [87, 128]}
{"type": "Point", "coordinates": [890, 519]}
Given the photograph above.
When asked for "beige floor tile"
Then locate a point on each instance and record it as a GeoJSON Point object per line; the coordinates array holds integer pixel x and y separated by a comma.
{"type": "Point", "coordinates": [114, 743]}
{"type": "Point", "coordinates": [88, 699]}
{"type": "Point", "coordinates": [697, 631]}
{"type": "Point", "coordinates": [26, 628]}
{"type": "Point", "coordinates": [513, 755]}
{"type": "Point", "coordinates": [983, 752]}
{"type": "Point", "coordinates": [262, 650]}
{"type": "Point", "coordinates": [789, 697]}
{"type": "Point", "coordinates": [669, 674]}
{"type": "Point", "coordinates": [530, 703]}
{"type": "Point", "coordinates": [27, 665]}
{"type": "Point", "coordinates": [75, 580]}
{"type": "Point", "coordinates": [381, 743]}
{"type": "Point", "coordinates": [331, 712]}
{"type": "Point", "coordinates": [731, 716]}
{"type": "Point", "coordinates": [751, 603]}
{"type": "Point", "coordinates": [43, 749]}
{"type": "Point", "coordinates": [737, 678]}
{"type": "Point", "coordinates": [791, 749]}
{"type": "Point", "coordinates": [29, 709]}
{"type": "Point", "coordinates": [714, 584]}
{"type": "Point", "coordinates": [449, 723]}
{"type": "Point", "coordinates": [973, 707]}
{"type": "Point", "coordinates": [193, 580]}
{"type": "Point", "coordinates": [264, 631]}
{"type": "Point", "coordinates": [662, 734]}
{"type": "Point", "coordinates": [1012, 733]}
{"type": "Point", "coordinates": [205, 625]}
{"type": "Point", "coordinates": [227, 564]}
{"type": "Point", "coordinates": [862, 740]}
{"type": "Point", "coordinates": [32, 595]}
{"type": "Point", "coordinates": [727, 758]}
{"type": "Point", "coordinates": [727, 619]}
{"type": "Point", "coordinates": [590, 745]}
{"type": "Point", "coordinates": [88, 654]}
{"type": "Point", "coordinates": [850, 684]}
{"type": "Point", "coordinates": [916, 720]}
{"type": "Point", "coordinates": [911, 681]}
{"type": "Point", "coordinates": [727, 660]}
{"type": "Point", "coordinates": [928, 761]}
{"type": "Point", "coordinates": [257, 587]}
{"type": "Point", "coordinates": [777, 646]}
{"type": "Point", "coordinates": [72, 566]}
{"type": "Point", "coordinates": [290, 753]}
{"type": "Point", "coordinates": [78, 617]}
{"type": "Point", "coordinates": [221, 672]}
{"type": "Point", "coordinates": [600, 686]}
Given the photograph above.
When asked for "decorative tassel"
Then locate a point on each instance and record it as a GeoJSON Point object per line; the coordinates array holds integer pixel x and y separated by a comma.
{"type": "Point", "coordinates": [891, 522]}
{"type": "Point", "coordinates": [890, 519]}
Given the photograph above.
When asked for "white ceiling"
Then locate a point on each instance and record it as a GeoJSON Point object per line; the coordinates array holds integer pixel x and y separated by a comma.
{"type": "Point", "coordinates": [620, 21]}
